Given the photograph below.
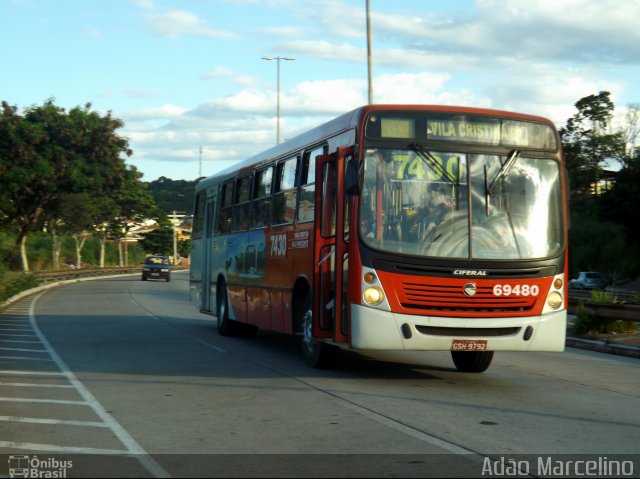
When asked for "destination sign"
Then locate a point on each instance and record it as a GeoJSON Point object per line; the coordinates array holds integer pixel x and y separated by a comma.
{"type": "Point", "coordinates": [461, 128]}
{"type": "Point", "coordinates": [397, 128]}
{"type": "Point", "coordinates": [487, 131]}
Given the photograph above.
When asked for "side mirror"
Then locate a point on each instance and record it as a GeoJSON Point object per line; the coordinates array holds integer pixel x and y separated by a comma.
{"type": "Point", "coordinates": [352, 185]}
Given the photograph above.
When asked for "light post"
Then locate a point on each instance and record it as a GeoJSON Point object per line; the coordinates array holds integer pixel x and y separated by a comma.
{"type": "Point", "coordinates": [370, 84]}
{"type": "Point", "coordinates": [277, 59]}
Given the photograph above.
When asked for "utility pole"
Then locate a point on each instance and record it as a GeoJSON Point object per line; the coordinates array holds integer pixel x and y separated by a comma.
{"type": "Point", "coordinates": [200, 168]}
{"type": "Point", "coordinates": [369, 52]}
{"type": "Point", "coordinates": [175, 239]}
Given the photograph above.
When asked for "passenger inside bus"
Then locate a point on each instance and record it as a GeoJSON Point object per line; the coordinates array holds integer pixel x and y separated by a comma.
{"type": "Point", "coordinates": [435, 212]}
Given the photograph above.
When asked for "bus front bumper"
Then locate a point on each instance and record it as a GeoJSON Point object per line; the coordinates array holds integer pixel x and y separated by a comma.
{"type": "Point", "coordinates": [383, 330]}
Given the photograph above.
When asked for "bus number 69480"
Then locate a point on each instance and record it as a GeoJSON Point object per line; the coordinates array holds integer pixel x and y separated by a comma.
{"type": "Point", "coordinates": [516, 290]}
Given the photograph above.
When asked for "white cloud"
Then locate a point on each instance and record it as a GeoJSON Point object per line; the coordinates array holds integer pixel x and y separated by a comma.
{"type": "Point", "coordinates": [537, 57]}
{"type": "Point", "coordinates": [148, 4]}
{"type": "Point", "coordinates": [237, 126]}
{"type": "Point", "coordinates": [164, 111]}
{"type": "Point", "coordinates": [176, 23]}
{"type": "Point", "coordinates": [283, 31]}
{"type": "Point", "coordinates": [233, 76]}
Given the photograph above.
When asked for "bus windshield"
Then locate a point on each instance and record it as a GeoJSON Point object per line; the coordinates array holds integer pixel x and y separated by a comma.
{"type": "Point", "coordinates": [461, 205]}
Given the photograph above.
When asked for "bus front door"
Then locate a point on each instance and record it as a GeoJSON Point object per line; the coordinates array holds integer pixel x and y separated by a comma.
{"type": "Point", "coordinates": [330, 260]}
{"type": "Point", "coordinates": [206, 255]}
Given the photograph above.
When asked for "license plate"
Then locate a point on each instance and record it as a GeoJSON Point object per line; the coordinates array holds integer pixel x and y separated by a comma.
{"type": "Point", "coordinates": [469, 345]}
{"type": "Point", "coordinates": [155, 274]}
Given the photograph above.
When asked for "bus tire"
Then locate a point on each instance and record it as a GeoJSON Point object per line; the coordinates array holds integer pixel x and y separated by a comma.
{"type": "Point", "coordinates": [472, 361]}
{"type": "Point", "coordinates": [225, 325]}
{"type": "Point", "coordinates": [317, 354]}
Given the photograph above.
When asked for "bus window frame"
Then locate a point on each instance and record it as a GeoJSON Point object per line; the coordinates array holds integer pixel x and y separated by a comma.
{"type": "Point", "coordinates": [226, 207]}
{"type": "Point", "coordinates": [258, 201]}
{"type": "Point", "coordinates": [241, 209]}
{"type": "Point", "coordinates": [280, 192]}
{"type": "Point", "coordinates": [307, 188]}
{"type": "Point", "coordinates": [198, 216]}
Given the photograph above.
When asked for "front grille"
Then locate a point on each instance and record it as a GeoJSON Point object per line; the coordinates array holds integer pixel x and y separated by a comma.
{"type": "Point", "coordinates": [436, 297]}
{"type": "Point", "coordinates": [467, 332]}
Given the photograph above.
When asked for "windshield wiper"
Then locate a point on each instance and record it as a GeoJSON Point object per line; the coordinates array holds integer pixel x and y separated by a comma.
{"type": "Point", "coordinates": [432, 163]}
{"type": "Point", "coordinates": [504, 169]}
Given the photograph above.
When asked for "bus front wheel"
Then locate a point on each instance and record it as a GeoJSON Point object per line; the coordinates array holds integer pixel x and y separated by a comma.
{"type": "Point", "coordinates": [472, 361]}
{"type": "Point", "coordinates": [317, 354]}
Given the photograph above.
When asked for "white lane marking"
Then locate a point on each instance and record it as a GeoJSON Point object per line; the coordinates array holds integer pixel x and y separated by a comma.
{"type": "Point", "coordinates": [27, 358]}
{"type": "Point", "coordinates": [24, 350]}
{"type": "Point", "coordinates": [36, 385]}
{"type": "Point", "coordinates": [30, 373]}
{"type": "Point", "coordinates": [129, 442]}
{"type": "Point", "coordinates": [21, 341]}
{"type": "Point", "coordinates": [37, 420]}
{"type": "Point", "coordinates": [44, 401]}
{"type": "Point", "coordinates": [30, 446]}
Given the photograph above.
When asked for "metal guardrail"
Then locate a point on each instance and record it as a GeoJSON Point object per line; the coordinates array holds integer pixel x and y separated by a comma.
{"type": "Point", "coordinates": [53, 276]}
{"type": "Point", "coordinates": [585, 295]}
{"type": "Point", "coordinates": [625, 308]}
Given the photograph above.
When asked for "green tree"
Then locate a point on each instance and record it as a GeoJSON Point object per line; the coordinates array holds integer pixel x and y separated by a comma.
{"type": "Point", "coordinates": [135, 204]}
{"type": "Point", "coordinates": [159, 242]}
{"type": "Point", "coordinates": [588, 145]}
{"type": "Point", "coordinates": [605, 233]}
{"type": "Point", "coordinates": [173, 195]}
{"type": "Point", "coordinates": [48, 152]}
{"type": "Point", "coordinates": [25, 172]}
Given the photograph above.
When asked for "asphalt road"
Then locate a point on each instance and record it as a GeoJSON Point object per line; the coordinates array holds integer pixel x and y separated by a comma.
{"type": "Point", "coordinates": [125, 378]}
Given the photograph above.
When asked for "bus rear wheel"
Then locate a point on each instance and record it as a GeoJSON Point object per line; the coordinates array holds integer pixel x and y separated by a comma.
{"type": "Point", "coordinates": [225, 325]}
{"type": "Point", "coordinates": [472, 361]}
{"type": "Point", "coordinates": [317, 354]}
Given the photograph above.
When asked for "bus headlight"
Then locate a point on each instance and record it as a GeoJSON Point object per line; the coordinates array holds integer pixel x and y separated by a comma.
{"type": "Point", "coordinates": [554, 300]}
{"type": "Point", "coordinates": [373, 295]}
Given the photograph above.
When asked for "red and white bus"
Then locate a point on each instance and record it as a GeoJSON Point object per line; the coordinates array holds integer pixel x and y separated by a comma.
{"type": "Point", "coordinates": [392, 227]}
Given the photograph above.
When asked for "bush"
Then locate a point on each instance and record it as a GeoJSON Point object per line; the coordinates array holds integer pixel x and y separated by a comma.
{"type": "Point", "coordinates": [13, 283]}
{"type": "Point", "coordinates": [591, 324]}
{"type": "Point", "coordinates": [587, 324]}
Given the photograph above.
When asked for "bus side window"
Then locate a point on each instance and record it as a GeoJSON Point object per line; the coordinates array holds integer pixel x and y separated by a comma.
{"type": "Point", "coordinates": [223, 223]}
{"type": "Point", "coordinates": [261, 205]}
{"type": "Point", "coordinates": [284, 201]}
{"type": "Point", "coordinates": [198, 216]}
{"type": "Point", "coordinates": [306, 206]}
{"type": "Point", "coordinates": [242, 204]}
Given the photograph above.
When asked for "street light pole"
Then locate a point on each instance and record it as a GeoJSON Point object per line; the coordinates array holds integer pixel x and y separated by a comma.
{"type": "Point", "coordinates": [278, 93]}
{"type": "Point", "coordinates": [368, 8]}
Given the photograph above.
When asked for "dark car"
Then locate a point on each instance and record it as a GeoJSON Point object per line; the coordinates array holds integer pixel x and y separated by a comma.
{"type": "Point", "coordinates": [156, 267]}
{"type": "Point", "coordinates": [587, 280]}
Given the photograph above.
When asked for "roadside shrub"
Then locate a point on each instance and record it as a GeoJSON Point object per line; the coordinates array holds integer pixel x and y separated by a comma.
{"type": "Point", "coordinates": [587, 324]}
{"type": "Point", "coordinates": [591, 324]}
{"type": "Point", "coordinates": [604, 297]}
{"type": "Point", "coordinates": [12, 283]}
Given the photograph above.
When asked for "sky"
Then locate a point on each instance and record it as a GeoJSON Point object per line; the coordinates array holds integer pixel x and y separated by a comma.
{"type": "Point", "coordinates": [189, 81]}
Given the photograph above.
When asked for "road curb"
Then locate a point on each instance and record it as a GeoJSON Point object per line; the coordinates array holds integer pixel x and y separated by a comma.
{"type": "Point", "coordinates": [603, 347]}
{"type": "Point", "coordinates": [55, 284]}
